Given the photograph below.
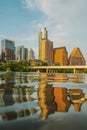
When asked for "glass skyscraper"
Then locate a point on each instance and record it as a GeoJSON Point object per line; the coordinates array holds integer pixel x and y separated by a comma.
{"type": "Point", "coordinates": [7, 50]}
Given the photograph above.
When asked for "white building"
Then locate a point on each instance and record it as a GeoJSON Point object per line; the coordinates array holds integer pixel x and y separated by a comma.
{"type": "Point", "coordinates": [21, 53]}
{"type": "Point", "coordinates": [31, 54]}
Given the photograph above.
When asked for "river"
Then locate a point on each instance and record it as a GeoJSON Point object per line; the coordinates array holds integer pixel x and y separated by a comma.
{"type": "Point", "coordinates": [37, 102]}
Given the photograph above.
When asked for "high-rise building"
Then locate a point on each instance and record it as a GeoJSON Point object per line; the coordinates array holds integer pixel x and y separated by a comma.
{"type": "Point", "coordinates": [46, 54]}
{"type": "Point", "coordinates": [76, 57]}
{"type": "Point", "coordinates": [31, 54]}
{"type": "Point", "coordinates": [45, 47]}
{"type": "Point", "coordinates": [42, 35]}
{"type": "Point", "coordinates": [60, 56]}
{"type": "Point", "coordinates": [7, 50]}
{"type": "Point", "coordinates": [21, 53]}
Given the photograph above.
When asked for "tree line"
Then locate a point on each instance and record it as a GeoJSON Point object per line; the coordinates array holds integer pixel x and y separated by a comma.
{"type": "Point", "coordinates": [24, 66]}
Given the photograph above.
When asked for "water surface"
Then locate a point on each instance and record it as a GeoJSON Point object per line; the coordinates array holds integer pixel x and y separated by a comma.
{"type": "Point", "coordinates": [30, 102]}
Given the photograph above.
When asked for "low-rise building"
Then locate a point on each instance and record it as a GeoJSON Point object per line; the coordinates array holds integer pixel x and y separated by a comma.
{"type": "Point", "coordinates": [76, 57]}
{"type": "Point", "coordinates": [60, 56]}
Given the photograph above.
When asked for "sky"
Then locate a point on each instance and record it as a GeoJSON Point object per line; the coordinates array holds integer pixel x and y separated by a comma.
{"type": "Point", "coordinates": [65, 21]}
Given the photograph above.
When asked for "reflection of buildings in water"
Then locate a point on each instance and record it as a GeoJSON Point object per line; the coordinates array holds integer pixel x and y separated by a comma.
{"type": "Point", "coordinates": [60, 77]}
{"type": "Point", "coordinates": [21, 114]}
{"type": "Point", "coordinates": [53, 99]}
{"type": "Point", "coordinates": [43, 77]}
{"type": "Point", "coordinates": [77, 98]}
{"type": "Point", "coordinates": [22, 78]}
{"type": "Point", "coordinates": [1, 98]}
{"type": "Point", "coordinates": [77, 78]}
{"type": "Point", "coordinates": [7, 96]}
{"type": "Point", "coordinates": [14, 78]}
{"type": "Point", "coordinates": [9, 116]}
{"type": "Point", "coordinates": [46, 100]}
{"type": "Point", "coordinates": [27, 112]}
{"type": "Point", "coordinates": [63, 103]}
{"type": "Point", "coordinates": [77, 106]}
{"type": "Point", "coordinates": [10, 96]}
{"type": "Point", "coordinates": [23, 94]}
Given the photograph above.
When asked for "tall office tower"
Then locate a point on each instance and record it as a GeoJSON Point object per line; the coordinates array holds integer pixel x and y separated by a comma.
{"type": "Point", "coordinates": [76, 57]}
{"type": "Point", "coordinates": [31, 54]}
{"type": "Point", "coordinates": [21, 53]}
{"type": "Point", "coordinates": [7, 50]}
{"type": "Point", "coordinates": [60, 56]}
{"type": "Point", "coordinates": [42, 35]}
{"type": "Point", "coordinates": [45, 47]}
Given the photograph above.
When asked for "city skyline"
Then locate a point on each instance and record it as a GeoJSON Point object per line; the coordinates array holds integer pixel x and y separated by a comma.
{"type": "Point", "coordinates": [21, 21]}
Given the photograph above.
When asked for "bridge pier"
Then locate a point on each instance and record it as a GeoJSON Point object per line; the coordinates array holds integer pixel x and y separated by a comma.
{"type": "Point", "coordinates": [78, 71]}
{"type": "Point", "coordinates": [74, 70]}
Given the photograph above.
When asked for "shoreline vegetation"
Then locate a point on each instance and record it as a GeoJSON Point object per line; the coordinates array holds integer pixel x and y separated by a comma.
{"type": "Point", "coordinates": [25, 66]}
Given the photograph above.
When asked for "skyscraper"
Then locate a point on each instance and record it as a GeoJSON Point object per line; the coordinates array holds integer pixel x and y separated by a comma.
{"type": "Point", "coordinates": [45, 47]}
{"type": "Point", "coordinates": [7, 50]}
{"type": "Point", "coordinates": [42, 35]}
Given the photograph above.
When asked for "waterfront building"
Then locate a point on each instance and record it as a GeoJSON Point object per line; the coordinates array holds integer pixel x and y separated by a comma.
{"type": "Point", "coordinates": [46, 54]}
{"type": "Point", "coordinates": [76, 57]}
{"type": "Point", "coordinates": [31, 54]}
{"type": "Point", "coordinates": [60, 56]}
{"type": "Point", "coordinates": [7, 50]}
{"type": "Point", "coordinates": [42, 35]}
{"type": "Point", "coordinates": [21, 53]}
{"type": "Point", "coordinates": [45, 47]}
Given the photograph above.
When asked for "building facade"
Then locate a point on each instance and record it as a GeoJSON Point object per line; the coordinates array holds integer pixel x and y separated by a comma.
{"type": "Point", "coordinates": [60, 56]}
{"type": "Point", "coordinates": [76, 57]}
{"type": "Point", "coordinates": [46, 54]}
{"type": "Point", "coordinates": [42, 35]}
{"type": "Point", "coordinates": [7, 50]}
{"type": "Point", "coordinates": [45, 47]}
{"type": "Point", "coordinates": [21, 53]}
{"type": "Point", "coordinates": [31, 54]}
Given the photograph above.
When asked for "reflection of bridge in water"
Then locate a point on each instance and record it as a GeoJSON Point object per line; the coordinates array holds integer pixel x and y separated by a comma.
{"type": "Point", "coordinates": [62, 77]}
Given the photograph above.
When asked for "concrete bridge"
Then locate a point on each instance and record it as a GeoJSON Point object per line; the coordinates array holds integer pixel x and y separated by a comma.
{"type": "Point", "coordinates": [55, 69]}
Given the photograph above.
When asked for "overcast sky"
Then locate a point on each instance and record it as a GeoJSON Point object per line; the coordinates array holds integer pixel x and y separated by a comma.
{"type": "Point", "coordinates": [65, 20]}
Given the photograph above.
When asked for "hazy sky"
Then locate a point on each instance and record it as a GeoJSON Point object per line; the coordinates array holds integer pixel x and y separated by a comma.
{"type": "Point", "coordinates": [65, 20]}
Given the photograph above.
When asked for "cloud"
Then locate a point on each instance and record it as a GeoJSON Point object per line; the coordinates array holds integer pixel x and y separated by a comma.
{"type": "Point", "coordinates": [65, 20]}
{"type": "Point", "coordinates": [2, 36]}
{"type": "Point", "coordinates": [28, 4]}
{"type": "Point", "coordinates": [59, 8]}
{"type": "Point", "coordinates": [70, 13]}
